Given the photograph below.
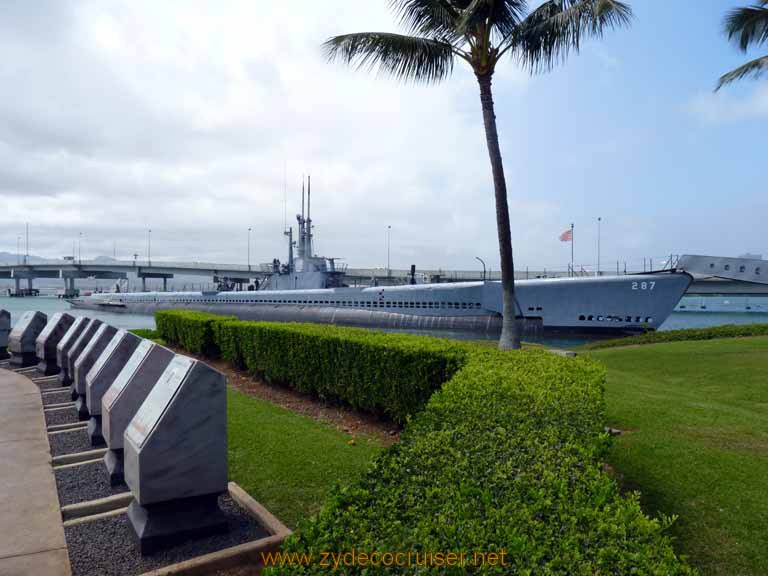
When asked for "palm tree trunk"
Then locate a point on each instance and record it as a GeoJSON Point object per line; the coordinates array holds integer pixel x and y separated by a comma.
{"type": "Point", "coordinates": [510, 339]}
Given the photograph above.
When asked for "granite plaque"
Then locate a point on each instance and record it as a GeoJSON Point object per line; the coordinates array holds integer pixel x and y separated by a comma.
{"type": "Point", "coordinates": [131, 388]}
{"type": "Point", "coordinates": [65, 345]}
{"type": "Point", "coordinates": [77, 348]}
{"type": "Point", "coordinates": [101, 376]}
{"type": "Point", "coordinates": [5, 330]}
{"type": "Point", "coordinates": [158, 400]}
{"type": "Point", "coordinates": [121, 381]}
{"type": "Point", "coordinates": [48, 340]}
{"type": "Point", "coordinates": [123, 399]}
{"type": "Point", "coordinates": [176, 444]}
{"type": "Point", "coordinates": [105, 370]}
{"type": "Point", "coordinates": [176, 455]}
{"type": "Point", "coordinates": [85, 361]}
{"type": "Point", "coordinates": [101, 339]}
{"type": "Point", "coordinates": [21, 341]}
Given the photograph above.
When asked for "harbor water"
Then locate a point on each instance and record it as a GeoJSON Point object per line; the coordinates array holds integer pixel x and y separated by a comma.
{"type": "Point", "coordinates": [51, 305]}
{"type": "Point", "coordinates": [676, 321]}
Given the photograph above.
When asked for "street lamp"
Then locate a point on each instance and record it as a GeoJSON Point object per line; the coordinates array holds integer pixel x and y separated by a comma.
{"type": "Point", "coordinates": [18, 249]}
{"type": "Point", "coordinates": [389, 234]}
{"type": "Point", "coordinates": [599, 220]}
{"type": "Point", "coordinates": [79, 249]}
{"type": "Point", "coordinates": [249, 249]}
{"type": "Point", "coordinates": [483, 263]}
{"type": "Point", "coordinates": [149, 247]}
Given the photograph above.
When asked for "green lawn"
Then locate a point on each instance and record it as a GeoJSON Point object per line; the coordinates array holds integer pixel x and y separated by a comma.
{"type": "Point", "coordinates": [289, 462]}
{"type": "Point", "coordinates": [697, 413]}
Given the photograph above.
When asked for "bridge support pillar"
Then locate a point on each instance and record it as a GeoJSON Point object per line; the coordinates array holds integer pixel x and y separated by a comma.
{"type": "Point", "coordinates": [17, 285]}
{"type": "Point", "coordinates": [69, 287]}
{"type": "Point", "coordinates": [143, 284]}
{"type": "Point", "coordinates": [29, 284]}
{"type": "Point", "coordinates": [165, 284]}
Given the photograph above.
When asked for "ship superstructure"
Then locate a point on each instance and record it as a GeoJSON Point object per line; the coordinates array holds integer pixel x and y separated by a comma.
{"type": "Point", "coordinates": [304, 270]}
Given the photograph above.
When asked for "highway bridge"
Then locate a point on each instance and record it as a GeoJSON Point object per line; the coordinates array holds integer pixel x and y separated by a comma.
{"type": "Point", "coordinates": [69, 270]}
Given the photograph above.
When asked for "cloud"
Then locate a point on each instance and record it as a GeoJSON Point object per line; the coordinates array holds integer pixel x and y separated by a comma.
{"type": "Point", "coordinates": [180, 116]}
{"type": "Point", "coordinates": [726, 106]}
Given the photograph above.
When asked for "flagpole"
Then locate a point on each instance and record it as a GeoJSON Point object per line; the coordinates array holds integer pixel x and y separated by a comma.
{"type": "Point", "coordinates": [572, 270]}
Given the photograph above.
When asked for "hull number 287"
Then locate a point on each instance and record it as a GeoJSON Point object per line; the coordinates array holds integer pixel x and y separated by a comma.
{"type": "Point", "coordinates": [643, 285]}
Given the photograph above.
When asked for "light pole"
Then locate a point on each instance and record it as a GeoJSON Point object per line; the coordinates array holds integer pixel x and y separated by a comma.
{"type": "Point", "coordinates": [18, 249]}
{"type": "Point", "coordinates": [249, 249]}
{"type": "Point", "coordinates": [149, 246]}
{"type": "Point", "coordinates": [483, 263]}
{"type": "Point", "coordinates": [599, 220]}
{"type": "Point", "coordinates": [389, 235]}
{"type": "Point", "coordinates": [79, 248]}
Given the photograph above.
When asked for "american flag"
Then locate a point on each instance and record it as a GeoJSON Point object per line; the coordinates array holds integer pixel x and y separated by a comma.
{"type": "Point", "coordinates": [567, 236]}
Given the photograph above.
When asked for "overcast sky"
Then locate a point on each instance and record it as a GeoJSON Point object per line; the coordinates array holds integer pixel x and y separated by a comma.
{"type": "Point", "coordinates": [182, 116]}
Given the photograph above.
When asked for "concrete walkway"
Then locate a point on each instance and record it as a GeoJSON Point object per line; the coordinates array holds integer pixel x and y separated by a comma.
{"type": "Point", "coordinates": [31, 532]}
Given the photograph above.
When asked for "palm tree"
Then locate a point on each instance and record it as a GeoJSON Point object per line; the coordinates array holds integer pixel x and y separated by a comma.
{"type": "Point", "coordinates": [747, 26]}
{"type": "Point", "coordinates": [481, 33]}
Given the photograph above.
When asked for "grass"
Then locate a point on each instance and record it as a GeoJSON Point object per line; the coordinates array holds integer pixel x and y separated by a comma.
{"type": "Point", "coordinates": [697, 447]}
{"type": "Point", "coordinates": [287, 461]}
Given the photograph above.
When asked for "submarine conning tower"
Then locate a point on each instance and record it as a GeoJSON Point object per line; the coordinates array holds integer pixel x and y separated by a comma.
{"type": "Point", "coordinates": [305, 270]}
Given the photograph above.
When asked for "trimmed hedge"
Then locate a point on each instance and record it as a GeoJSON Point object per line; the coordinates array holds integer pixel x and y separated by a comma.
{"type": "Point", "coordinates": [724, 331]}
{"type": "Point", "coordinates": [388, 374]}
{"type": "Point", "coordinates": [146, 333]}
{"type": "Point", "coordinates": [193, 331]}
{"type": "Point", "coordinates": [504, 456]}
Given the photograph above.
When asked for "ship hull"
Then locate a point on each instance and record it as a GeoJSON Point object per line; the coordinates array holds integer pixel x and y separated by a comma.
{"type": "Point", "coordinates": [615, 305]}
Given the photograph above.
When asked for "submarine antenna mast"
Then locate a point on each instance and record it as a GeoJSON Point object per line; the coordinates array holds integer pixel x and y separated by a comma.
{"type": "Point", "coordinates": [285, 196]}
{"type": "Point", "coordinates": [300, 218]}
{"type": "Point", "coordinates": [308, 248]}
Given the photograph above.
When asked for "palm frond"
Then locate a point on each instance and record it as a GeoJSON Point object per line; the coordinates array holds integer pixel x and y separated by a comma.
{"type": "Point", "coordinates": [502, 17]}
{"type": "Point", "coordinates": [754, 68]}
{"type": "Point", "coordinates": [404, 57]}
{"type": "Point", "coordinates": [558, 27]}
{"type": "Point", "coordinates": [431, 18]}
{"type": "Point", "coordinates": [748, 25]}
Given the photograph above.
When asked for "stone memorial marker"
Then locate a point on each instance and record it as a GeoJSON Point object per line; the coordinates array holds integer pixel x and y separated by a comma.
{"type": "Point", "coordinates": [65, 345]}
{"type": "Point", "coordinates": [176, 456]}
{"type": "Point", "coordinates": [5, 329]}
{"type": "Point", "coordinates": [85, 361]}
{"type": "Point", "coordinates": [77, 349]}
{"type": "Point", "coordinates": [21, 341]}
{"type": "Point", "coordinates": [45, 345]}
{"type": "Point", "coordinates": [123, 399]}
{"type": "Point", "coordinates": [102, 374]}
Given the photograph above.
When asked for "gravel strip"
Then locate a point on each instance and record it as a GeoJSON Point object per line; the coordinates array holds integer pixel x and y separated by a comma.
{"type": "Point", "coordinates": [48, 384]}
{"type": "Point", "coordinates": [70, 442]}
{"type": "Point", "coordinates": [65, 416]}
{"type": "Point", "coordinates": [108, 546]}
{"type": "Point", "coordinates": [57, 398]}
{"type": "Point", "coordinates": [84, 483]}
